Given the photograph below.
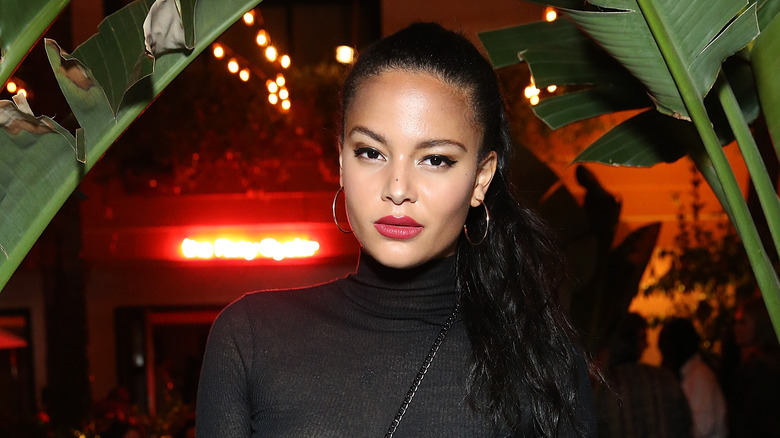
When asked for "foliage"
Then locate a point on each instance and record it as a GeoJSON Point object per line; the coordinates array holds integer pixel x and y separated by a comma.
{"type": "Point", "coordinates": [211, 142]}
{"type": "Point", "coordinates": [108, 82]}
{"type": "Point", "coordinates": [708, 271]}
{"type": "Point", "coordinates": [618, 55]}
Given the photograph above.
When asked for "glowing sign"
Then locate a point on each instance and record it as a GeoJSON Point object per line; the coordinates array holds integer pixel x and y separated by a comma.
{"type": "Point", "coordinates": [268, 248]}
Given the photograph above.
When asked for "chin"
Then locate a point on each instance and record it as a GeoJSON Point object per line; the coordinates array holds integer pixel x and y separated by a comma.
{"type": "Point", "coordinates": [403, 256]}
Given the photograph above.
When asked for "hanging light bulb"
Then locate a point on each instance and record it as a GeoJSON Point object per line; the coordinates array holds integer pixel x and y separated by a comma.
{"type": "Point", "coordinates": [270, 53]}
{"type": "Point", "coordinates": [262, 38]}
{"type": "Point", "coordinates": [233, 66]}
{"type": "Point", "coordinates": [345, 54]}
{"type": "Point", "coordinates": [550, 14]}
{"type": "Point", "coordinates": [285, 61]}
{"type": "Point", "coordinates": [249, 18]}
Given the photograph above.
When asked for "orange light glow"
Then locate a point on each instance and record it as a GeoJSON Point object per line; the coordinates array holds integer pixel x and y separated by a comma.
{"type": "Point", "coordinates": [233, 66]}
{"type": "Point", "coordinates": [534, 100]}
{"type": "Point", "coordinates": [283, 93]}
{"type": "Point", "coordinates": [552, 88]}
{"type": "Point", "coordinates": [262, 38]}
{"type": "Point", "coordinates": [550, 14]}
{"type": "Point", "coordinates": [285, 61]}
{"type": "Point", "coordinates": [267, 248]}
{"type": "Point", "coordinates": [219, 51]}
{"type": "Point", "coordinates": [285, 104]}
{"type": "Point", "coordinates": [270, 53]}
{"type": "Point", "coordinates": [22, 91]}
{"type": "Point", "coordinates": [249, 18]}
{"type": "Point", "coordinates": [345, 54]}
{"type": "Point", "coordinates": [11, 87]}
{"type": "Point", "coordinates": [274, 99]}
{"type": "Point", "coordinates": [272, 87]}
{"type": "Point", "coordinates": [244, 74]}
{"type": "Point", "coordinates": [280, 81]}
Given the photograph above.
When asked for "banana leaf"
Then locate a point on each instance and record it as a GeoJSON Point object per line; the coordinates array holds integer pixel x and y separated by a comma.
{"type": "Point", "coordinates": [41, 166]}
{"type": "Point", "coordinates": [21, 25]}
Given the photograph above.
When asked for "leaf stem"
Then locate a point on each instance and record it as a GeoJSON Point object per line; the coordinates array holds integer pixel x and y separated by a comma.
{"type": "Point", "coordinates": [765, 275]}
{"type": "Point", "coordinates": [756, 167]}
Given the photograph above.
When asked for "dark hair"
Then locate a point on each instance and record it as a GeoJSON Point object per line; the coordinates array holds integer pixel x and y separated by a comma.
{"type": "Point", "coordinates": [525, 362]}
{"type": "Point", "coordinates": [678, 342]}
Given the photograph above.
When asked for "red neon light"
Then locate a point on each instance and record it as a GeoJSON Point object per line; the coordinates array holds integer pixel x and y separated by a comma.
{"type": "Point", "coordinates": [267, 248]}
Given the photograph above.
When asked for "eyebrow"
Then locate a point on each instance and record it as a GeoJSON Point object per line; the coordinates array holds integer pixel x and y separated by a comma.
{"type": "Point", "coordinates": [422, 145]}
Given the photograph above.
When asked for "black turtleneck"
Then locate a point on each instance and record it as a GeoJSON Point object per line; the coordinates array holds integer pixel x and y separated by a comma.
{"type": "Point", "coordinates": [336, 360]}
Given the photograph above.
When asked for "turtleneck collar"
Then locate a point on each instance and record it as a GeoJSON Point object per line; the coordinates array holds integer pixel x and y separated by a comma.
{"type": "Point", "coordinates": [423, 291]}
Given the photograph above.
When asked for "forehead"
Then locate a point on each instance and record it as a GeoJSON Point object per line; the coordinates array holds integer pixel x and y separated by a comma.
{"type": "Point", "coordinates": [413, 99]}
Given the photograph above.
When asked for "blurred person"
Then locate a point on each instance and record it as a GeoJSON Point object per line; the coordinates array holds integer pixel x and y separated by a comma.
{"type": "Point", "coordinates": [679, 344]}
{"type": "Point", "coordinates": [451, 268]}
{"type": "Point", "coordinates": [640, 400]}
{"type": "Point", "coordinates": [754, 396]}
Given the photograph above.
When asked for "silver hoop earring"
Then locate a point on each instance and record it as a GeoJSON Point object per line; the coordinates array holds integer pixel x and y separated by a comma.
{"type": "Point", "coordinates": [487, 225]}
{"type": "Point", "coordinates": [335, 219]}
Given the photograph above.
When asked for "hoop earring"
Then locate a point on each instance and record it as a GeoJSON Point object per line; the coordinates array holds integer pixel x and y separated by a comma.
{"type": "Point", "coordinates": [487, 225]}
{"type": "Point", "coordinates": [335, 219]}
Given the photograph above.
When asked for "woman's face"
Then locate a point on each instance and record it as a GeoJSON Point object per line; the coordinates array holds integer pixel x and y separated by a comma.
{"type": "Point", "coordinates": [409, 167]}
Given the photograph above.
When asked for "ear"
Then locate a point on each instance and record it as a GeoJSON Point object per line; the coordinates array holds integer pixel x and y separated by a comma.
{"type": "Point", "coordinates": [485, 174]}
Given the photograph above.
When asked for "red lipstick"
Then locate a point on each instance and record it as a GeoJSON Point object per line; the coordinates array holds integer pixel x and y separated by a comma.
{"type": "Point", "coordinates": [400, 228]}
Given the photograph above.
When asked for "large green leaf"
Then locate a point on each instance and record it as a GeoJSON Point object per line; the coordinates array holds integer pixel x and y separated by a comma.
{"type": "Point", "coordinates": [26, 209]}
{"type": "Point", "coordinates": [704, 33]}
{"type": "Point", "coordinates": [558, 53]}
{"type": "Point", "coordinates": [22, 22]}
{"type": "Point", "coordinates": [765, 58]}
{"type": "Point", "coordinates": [644, 140]}
{"type": "Point", "coordinates": [115, 55]}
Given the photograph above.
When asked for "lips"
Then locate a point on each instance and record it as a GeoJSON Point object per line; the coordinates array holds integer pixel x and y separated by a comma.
{"type": "Point", "coordinates": [400, 228]}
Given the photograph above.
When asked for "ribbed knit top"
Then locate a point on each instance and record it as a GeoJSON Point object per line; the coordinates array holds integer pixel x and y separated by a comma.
{"type": "Point", "coordinates": [336, 359]}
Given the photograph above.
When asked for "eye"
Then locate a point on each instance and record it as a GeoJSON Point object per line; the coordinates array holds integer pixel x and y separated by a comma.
{"type": "Point", "coordinates": [368, 153]}
{"type": "Point", "coordinates": [438, 161]}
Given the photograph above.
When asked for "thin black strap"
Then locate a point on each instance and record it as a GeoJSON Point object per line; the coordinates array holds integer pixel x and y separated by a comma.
{"type": "Point", "coordinates": [420, 374]}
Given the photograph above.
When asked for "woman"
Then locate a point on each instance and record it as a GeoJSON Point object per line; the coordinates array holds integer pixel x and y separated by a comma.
{"type": "Point", "coordinates": [451, 268]}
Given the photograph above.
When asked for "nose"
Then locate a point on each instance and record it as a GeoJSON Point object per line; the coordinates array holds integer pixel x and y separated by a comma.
{"type": "Point", "coordinates": [399, 184]}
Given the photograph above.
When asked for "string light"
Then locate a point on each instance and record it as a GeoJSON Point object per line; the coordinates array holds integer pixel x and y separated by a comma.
{"type": "Point", "coordinates": [534, 100]}
{"type": "Point", "coordinates": [11, 87]}
{"type": "Point", "coordinates": [345, 54]}
{"type": "Point", "coordinates": [22, 91]}
{"type": "Point", "coordinates": [552, 88]}
{"type": "Point", "coordinates": [550, 14]}
{"type": "Point", "coordinates": [270, 53]}
{"type": "Point", "coordinates": [262, 38]}
{"type": "Point", "coordinates": [233, 66]}
{"type": "Point", "coordinates": [531, 91]}
{"type": "Point", "coordinates": [249, 18]}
